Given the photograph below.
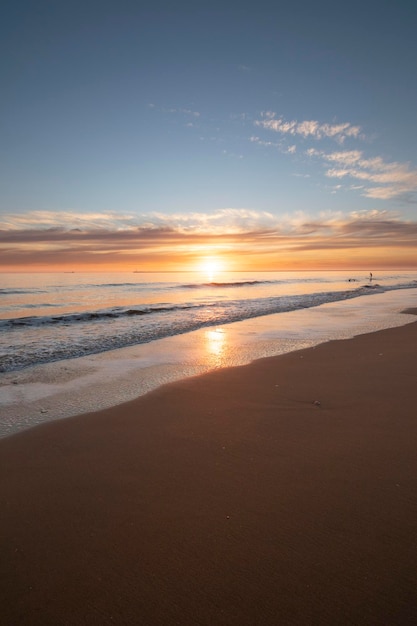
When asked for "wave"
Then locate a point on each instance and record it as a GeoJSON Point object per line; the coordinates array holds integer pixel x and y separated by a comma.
{"type": "Point", "coordinates": [254, 283]}
{"type": "Point", "coordinates": [12, 291]}
{"type": "Point", "coordinates": [238, 283]}
{"type": "Point", "coordinates": [88, 316]}
{"type": "Point", "coordinates": [89, 332]}
{"type": "Point", "coordinates": [250, 307]}
{"type": "Point", "coordinates": [256, 306]}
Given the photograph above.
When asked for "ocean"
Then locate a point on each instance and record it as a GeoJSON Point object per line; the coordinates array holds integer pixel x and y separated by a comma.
{"type": "Point", "coordinates": [90, 328]}
{"type": "Point", "coordinates": [51, 317]}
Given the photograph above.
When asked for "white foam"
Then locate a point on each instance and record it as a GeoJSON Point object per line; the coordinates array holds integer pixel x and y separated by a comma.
{"type": "Point", "coordinates": [66, 388]}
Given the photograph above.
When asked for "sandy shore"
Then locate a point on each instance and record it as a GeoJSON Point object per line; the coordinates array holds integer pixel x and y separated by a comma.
{"type": "Point", "coordinates": [72, 387]}
{"type": "Point", "coordinates": [282, 492]}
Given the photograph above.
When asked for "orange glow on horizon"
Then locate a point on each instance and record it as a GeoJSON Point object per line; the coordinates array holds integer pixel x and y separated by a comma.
{"type": "Point", "coordinates": [210, 258]}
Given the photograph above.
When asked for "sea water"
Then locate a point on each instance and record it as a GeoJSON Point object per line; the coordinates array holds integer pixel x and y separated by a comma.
{"type": "Point", "coordinates": [71, 343]}
{"type": "Point", "coordinates": [51, 317]}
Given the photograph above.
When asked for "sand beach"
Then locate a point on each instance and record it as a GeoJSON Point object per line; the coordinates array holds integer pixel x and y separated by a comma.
{"type": "Point", "coordinates": [208, 314]}
{"type": "Point", "coordinates": [279, 492]}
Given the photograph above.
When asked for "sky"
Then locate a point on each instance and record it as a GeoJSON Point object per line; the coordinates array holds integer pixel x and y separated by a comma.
{"type": "Point", "coordinates": [255, 136]}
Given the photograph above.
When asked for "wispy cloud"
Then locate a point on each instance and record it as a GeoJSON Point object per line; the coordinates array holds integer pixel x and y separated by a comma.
{"type": "Point", "coordinates": [391, 179]}
{"type": "Point", "coordinates": [181, 110]}
{"type": "Point", "coordinates": [380, 179]}
{"type": "Point", "coordinates": [111, 230]}
{"type": "Point", "coordinates": [223, 221]}
{"type": "Point", "coordinates": [308, 128]}
{"type": "Point", "coordinates": [262, 142]}
{"type": "Point", "coordinates": [292, 149]}
{"type": "Point", "coordinates": [55, 224]}
{"type": "Point", "coordinates": [67, 220]}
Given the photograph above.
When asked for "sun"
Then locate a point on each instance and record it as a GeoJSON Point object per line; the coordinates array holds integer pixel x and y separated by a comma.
{"type": "Point", "coordinates": [211, 267]}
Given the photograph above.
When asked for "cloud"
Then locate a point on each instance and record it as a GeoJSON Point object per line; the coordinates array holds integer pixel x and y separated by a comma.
{"type": "Point", "coordinates": [392, 179]}
{"type": "Point", "coordinates": [95, 239]}
{"type": "Point", "coordinates": [261, 142]}
{"type": "Point", "coordinates": [308, 128]}
{"type": "Point", "coordinates": [274, 144]}
{"type": "Point", "coordinates": [382, 180]}
{"type": "Point", "coordinates": [65, 220]}
{"type": "Point", "coordinates": [189, 112]}
{"type": "Point", "coordinates": [58, 224]}
{"type": "Point", "coordinates": [248, 238]}
{"type": "Point", "coordinates": [181, 110]}
{"type": "Point", "coordinates": [222, 223]}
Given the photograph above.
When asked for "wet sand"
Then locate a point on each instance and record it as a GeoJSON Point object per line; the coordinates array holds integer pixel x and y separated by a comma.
{"type": "Point", "coordinates": [281, 492]}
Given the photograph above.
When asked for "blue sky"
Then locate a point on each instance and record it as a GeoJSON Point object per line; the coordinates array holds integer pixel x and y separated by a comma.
{"type": "Point", "coordinates": [195, 115]}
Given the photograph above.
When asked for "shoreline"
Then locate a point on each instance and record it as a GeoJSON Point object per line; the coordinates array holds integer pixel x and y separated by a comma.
{"type": "Point", "coordinates": [68, 388]}
{"type": "Point", "coordinates": [282, 491]}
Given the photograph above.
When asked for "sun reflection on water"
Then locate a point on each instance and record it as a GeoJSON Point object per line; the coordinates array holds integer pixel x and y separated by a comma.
{"type": "Point", "coordinates": [215, 343]}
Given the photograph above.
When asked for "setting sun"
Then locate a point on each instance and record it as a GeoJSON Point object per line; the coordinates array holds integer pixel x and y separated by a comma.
{"type": "Point", "coordinates": [211, 266]}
